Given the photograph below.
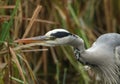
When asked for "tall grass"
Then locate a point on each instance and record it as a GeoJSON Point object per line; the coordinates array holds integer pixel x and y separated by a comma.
{"type": "Point", "coordinates": [30, 64]}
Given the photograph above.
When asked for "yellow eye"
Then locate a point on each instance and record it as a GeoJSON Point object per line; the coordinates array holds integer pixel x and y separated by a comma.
{"type": "Point", "coordinates": [52, 38]}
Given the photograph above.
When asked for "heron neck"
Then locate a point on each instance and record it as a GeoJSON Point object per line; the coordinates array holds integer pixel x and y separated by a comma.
{"type": "Point", "coordinates": [79, 45]}
{"type": "Point", "coordinates": [81, 48]}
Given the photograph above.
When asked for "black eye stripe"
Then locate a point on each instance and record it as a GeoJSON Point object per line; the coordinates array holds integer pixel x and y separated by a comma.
{"type": "Point", "coordinates": [60, 34]}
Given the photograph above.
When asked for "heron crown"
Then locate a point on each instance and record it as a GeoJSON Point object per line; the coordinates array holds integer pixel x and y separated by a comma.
{"type": "Point", "coordinates": [58, 33]}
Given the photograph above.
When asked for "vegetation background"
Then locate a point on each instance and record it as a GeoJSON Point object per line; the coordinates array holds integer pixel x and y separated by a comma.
{"type": "Point", "coordinates": [27, 64]}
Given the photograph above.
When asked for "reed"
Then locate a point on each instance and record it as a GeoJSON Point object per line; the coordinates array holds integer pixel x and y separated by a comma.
{"type": "Point", "coordinates": [35, 64]}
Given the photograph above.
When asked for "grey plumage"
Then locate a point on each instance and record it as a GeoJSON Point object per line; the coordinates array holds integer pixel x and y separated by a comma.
{"type": "Point", "coordinates": [103, 56]}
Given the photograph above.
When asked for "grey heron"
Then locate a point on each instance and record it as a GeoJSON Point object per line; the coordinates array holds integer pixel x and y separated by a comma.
{"type": "Point", "coordinates": [103, 56]}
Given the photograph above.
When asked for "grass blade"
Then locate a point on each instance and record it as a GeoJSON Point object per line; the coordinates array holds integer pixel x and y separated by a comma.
{"type": "Point", "coordinates": [7, 25]}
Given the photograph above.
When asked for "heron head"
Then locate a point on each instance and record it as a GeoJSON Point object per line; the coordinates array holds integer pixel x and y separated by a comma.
{"type": "Point", "coordinates": [52, 38]}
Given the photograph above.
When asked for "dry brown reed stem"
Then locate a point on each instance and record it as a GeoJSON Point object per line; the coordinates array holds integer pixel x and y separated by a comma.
{"type": "Point", "coordinates": [35, 14]}
{"type": "Point", "coordinates": [18, 21]}
{"type": "Point", "coordinates": [29, 70]}
{"type": "Point", "coordinates": [34, 50]}
{"type": "Point", "coordinates": [17, 63]}
{"type": "Point", "coordinates": [7, 7]}
{"type": "Point", "coordinates": [6, 17]}
{"type": "Point", "coordinates": [54, 56]}
{"type": "Point", "coordinates": [108, 15]}
{"type": "Point", "coordinates": [45, 64]}
{"type": "Point", "coordinates": [25, 46]}
{"type": "Point", "coordinates": [38, 65]}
